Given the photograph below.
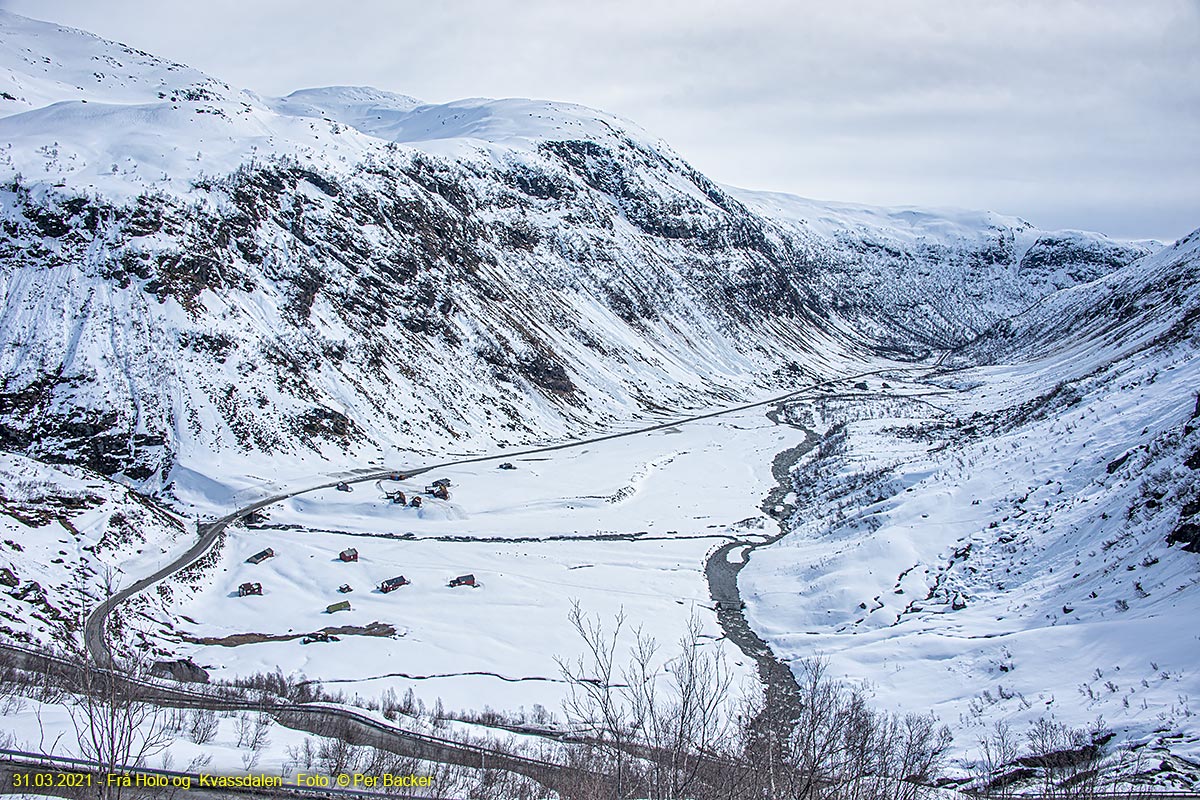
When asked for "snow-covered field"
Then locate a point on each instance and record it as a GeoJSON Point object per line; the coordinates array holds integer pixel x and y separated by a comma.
{"type": "Point", "coordinates": [623, 525]}
{"type": "Point", "coordinates": [242, 742]}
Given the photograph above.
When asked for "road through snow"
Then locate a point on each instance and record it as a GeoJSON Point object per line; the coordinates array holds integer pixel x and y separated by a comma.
{"type": "Point", "coordinates": [722, 576]}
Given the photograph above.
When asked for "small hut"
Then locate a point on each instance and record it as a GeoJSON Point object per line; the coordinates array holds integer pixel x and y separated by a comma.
{"type": "Point", "coordinates": [442, 482]}
{"type": "Point", "coordinates": [392, 584]}
{"type": "Point", "coordinates": [463, 580]}
{"type": "Point", "coordinates": [341, 605]}
{"type": "Point", "coordinates": [415, 502]}
{"type": "Point", "coordinates": [249, 589]}
{"type": "Point", "coordinates": [397, 497]}
{"type": "Point", "coordinates": [439, 491]}
{"type": "Point", "coordinates": [345, 588]}
{"type": "Point", "coordinates": [261, 556]}
{"type": "Point", "coordinates": [349, 554]}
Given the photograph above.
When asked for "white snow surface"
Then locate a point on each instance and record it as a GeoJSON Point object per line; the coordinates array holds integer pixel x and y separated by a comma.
{"type": "Point", "coordinates": [621, 526]}
{"type": "Point", "coordinates": [270, 293]}
{"type": "Point", "coordinates": [1019, 568]}
{"type": "Point", "coordinates": [38, 727]}
{"type": "Point", "coordinates": [66, 535]}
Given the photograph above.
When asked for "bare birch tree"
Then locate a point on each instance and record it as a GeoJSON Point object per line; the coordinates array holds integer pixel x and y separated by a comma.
{"type": "Point", "coordinates": [116, 727]}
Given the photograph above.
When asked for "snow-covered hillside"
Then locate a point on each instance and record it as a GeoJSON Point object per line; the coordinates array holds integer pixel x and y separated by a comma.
{"type": "Point", "coordinates": [189, 269]}
{"type": "Point", "coordinates": [937, 276]}
{"type": "Point", "coordinates": [66, 536]}
{"type": "Point", "coordinates": [1021, 541]}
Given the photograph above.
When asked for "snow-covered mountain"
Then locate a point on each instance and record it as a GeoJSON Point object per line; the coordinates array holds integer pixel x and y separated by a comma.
{"type": "Point", "coordinates": [205, 289]}
{"type": "Point", "coordinates": [1019, 541]}
{"type": "Point", "coordinates": [188, 268]}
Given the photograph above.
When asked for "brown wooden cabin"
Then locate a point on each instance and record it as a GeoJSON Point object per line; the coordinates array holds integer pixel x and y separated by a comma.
{"type": "Point", "coordinates": [463, 580]}
{"type": "Point", "coordinates": [249, 588]}
{"type": "Point", "coordinates": [415, 502]}
{"type": "Point", "coordinates": [261, 556]}
{"type": "Point", "coordinates": [397, 497]}
{"type": "Point", "coordinates": [392, 584]}
{"type": "Point", "coordinates": [439, 491]}
{"type": "Point", "coordinates": [442, 482]}
{"type": "Point", "coordinates": [349, 554]}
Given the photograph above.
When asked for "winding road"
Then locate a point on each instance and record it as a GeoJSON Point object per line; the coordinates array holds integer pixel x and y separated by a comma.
{"type": "Point", "coordinates": [94, 632]}
{"type": "Point", "coordinates": [721, 574]}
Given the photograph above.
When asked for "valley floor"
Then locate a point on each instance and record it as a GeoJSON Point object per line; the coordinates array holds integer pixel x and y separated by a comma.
{"type": "Point", "coordinates": [621, 527]}
{"type": "Point", "coordinates": [959, 542]}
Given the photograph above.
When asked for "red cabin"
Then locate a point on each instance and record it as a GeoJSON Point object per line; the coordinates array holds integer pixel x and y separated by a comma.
{"type": "Point", "coordinates": [261, 556]}
{"type": "Point", "coordinates": [249, 588]}
{"type": "Point", "coordinates": [349, 554]}
{"type": "Point", "coordinates": [392, 584]}
{"type": "Point", "coordinates": [463, 580]}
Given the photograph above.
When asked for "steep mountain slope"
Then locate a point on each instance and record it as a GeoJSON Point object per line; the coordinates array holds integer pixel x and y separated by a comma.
{"type": "Point", "coordinates": [1016, 544]}
{"type": "Point", "coordinates": [938, 277]}
{"type": "Point", "coordinates": [188, 269]}
{"type": "Point", "coordinates": [67, 534]}
{"type": "Point", "coordinates": [204, 289]}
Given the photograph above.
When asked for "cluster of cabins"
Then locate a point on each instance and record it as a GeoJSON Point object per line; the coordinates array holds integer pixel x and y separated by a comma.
{"type": "Point", "coordinates": [348, 555]}
{"type": "Point", "coordinates": [439, 489]}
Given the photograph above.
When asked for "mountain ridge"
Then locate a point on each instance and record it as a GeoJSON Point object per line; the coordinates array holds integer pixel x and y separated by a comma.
{"type": "Point", "coordinates": [324, 289]}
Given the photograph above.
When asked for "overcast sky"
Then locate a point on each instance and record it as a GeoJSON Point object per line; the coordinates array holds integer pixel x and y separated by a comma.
{"type": "Point", "coordinates": [1069, 114]}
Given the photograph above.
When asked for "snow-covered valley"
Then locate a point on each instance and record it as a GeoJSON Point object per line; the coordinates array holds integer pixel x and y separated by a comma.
{"type": "Point", "coordinates": [977, 494]}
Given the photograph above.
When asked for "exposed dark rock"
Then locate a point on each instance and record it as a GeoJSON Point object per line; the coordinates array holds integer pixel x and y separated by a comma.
{"type": "Point", "coordinates": [183, 670]}
{"type": "Point", "coordinates": [1082, 261]}
{"type": "Point", "coordinates": [546, 374]}
{"type": "Point", "coordinates": [1116, 463]}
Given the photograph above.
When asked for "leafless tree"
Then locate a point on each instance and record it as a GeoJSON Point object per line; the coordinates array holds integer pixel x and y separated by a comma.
{"type": "Point", "coordinates": [658, 727]}
{"type": "Point", "coordinates": [336, 755]}
{"type": "Point", "coordinates": [202, 725]}
{"type": "Point", "coordinates": [300, 757]}
{"type": "Point", "coordinates": [833, 746]}
{"type": "Point", "coordinates": [997, 757]}
{"type": "Point", "coordinates": [682, 727]}
{"type": "Point", "coordinates": [116, 727]}
{"type": "Point", "coordinates": [1069, 760]}
{"type": "Point", "coordinates": [595, 705]}
{"type": "Point", "coordinates": [259, 737]}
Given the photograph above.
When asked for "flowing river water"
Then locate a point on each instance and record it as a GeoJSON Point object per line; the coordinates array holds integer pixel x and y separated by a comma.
{"type": "Point", "coordinates": [782, 692]}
